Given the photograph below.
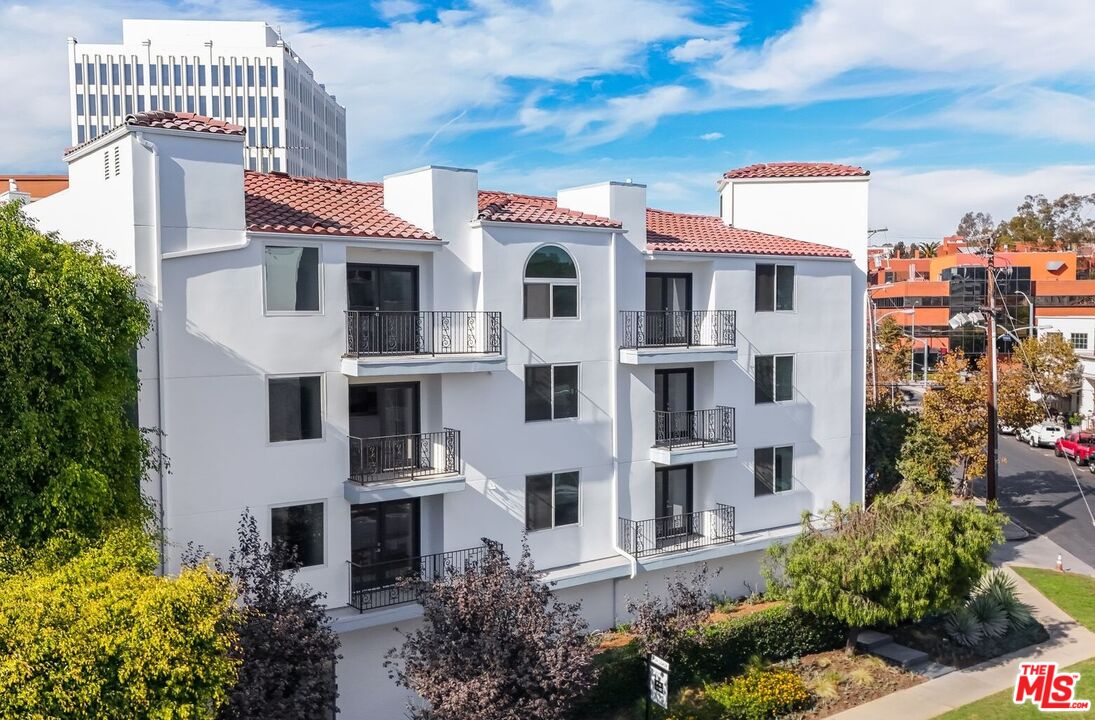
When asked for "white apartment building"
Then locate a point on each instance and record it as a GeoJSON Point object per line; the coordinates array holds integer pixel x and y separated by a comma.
{"type": "Point", "coordinates": [385, 373]}
{"type": "Point", "coordinates": [1079, 331]}
{"type": "Point", "coordinates": [240, 72]}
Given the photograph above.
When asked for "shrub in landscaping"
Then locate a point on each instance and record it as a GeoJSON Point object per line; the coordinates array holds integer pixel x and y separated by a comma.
{"type": "Point", "coordinates": [665, 626]}
{"type": "Point", "coordinates": [762, 695]}
{"type": "Point", "coordinates": [904, 558]}
{"type": "Point", "coordinates": [621, 677]}
{"type": "Point", "coordinates": [776, 633]}
{"type": "Point", "coordinates": [992, 611]}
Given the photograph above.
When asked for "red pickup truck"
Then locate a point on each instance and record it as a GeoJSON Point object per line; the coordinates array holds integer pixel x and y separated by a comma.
{"type": "Point", "coordinates": [1078, 446]}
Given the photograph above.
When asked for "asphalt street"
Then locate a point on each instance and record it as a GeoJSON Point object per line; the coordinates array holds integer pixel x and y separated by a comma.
{"type": "Point", "coordinates": [1038, 491]}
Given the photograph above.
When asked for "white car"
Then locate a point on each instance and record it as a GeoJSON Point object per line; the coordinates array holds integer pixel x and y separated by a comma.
{"type": "Point", "coordinates": [1044, 435]}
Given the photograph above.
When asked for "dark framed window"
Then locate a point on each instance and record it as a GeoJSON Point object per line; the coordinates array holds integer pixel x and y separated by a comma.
{"type": "Point", "coordinates": [551, 392]}
{"type": "Point", "coordinates": [551, 284]}
{"type": "Point", "coordinates": [291, 278]}
{"type": "Point", "coordinates": [551, 500]}
{"type": "Point", "coordinates": [775, 287]}
{"type": "Point", "coordinates": [295, 408]}
{"type": "Point", "coordinates": [300, 529]}
{"type": "Point", "coordinates": [773, 470]}
{"type": "Point", "coordinates": [774, 376]}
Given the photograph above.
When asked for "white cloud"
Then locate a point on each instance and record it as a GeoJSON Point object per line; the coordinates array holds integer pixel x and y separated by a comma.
{"type": "Point", "coordinates": [1021, 111]}
{"type": "Point", "coordinates": [712, 136]}
{"type": "Point", "coordinates": [929, 204]}
{"type": "Point", "coordinates": [389, 9]}
{"type": "Point", "coordinates": [400, 84]}
{"type": "Point", "coordinates": [846, 49]}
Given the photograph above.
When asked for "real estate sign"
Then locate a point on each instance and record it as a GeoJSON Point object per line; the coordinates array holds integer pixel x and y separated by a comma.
{"type": "Point", "coordinates": [659, 681]}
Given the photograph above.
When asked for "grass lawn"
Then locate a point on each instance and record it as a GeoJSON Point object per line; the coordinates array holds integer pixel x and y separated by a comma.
{"type": "Point", "coordinates": [1000, 706]}
{"type": "Point", "coordinates": [1075, 594]}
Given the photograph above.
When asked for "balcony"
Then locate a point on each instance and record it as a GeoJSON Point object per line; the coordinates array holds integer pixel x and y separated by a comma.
{"type": "Point", "coordinates": [694, 436]}
{"type": "Point", "coordinates": [677, 336]}
{"type": "Point", "coordinates": [394, 467]}
{"type": "Point", "coordinates": [677, 533]}
{"type": "Point", "coordinates": [422, 342]}
{"type": "Point", "coordinates": [379, 585]}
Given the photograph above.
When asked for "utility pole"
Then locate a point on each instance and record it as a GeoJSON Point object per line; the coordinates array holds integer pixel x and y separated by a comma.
{"type": "Point", "coordinates": [990, 326]}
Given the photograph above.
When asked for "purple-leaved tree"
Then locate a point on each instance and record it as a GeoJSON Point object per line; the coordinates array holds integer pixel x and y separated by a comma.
{"type": "Point", "coordinates": [286, 644]}
{"type": "Point", "coordinates": [495, 645]}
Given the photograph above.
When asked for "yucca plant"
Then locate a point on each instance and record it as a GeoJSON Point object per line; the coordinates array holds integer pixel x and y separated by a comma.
{"type": "Point", "coordinates": [1002, 588]}
{"type": "Point", "coordinates": [963, 627]}
{"type": "Point", "coordinates": [990, 615]}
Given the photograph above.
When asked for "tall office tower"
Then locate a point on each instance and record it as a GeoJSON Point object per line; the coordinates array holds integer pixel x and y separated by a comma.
{"type": "Point", "coordinates": [240, 72]}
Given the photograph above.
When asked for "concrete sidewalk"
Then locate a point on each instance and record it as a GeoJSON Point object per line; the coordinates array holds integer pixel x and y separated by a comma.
{"type": "Point", "coordinates": [1069, 642]}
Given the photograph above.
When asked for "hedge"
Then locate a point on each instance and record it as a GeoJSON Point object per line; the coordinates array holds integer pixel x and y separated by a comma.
{"type": "Point", "coordinates": [721, 649]}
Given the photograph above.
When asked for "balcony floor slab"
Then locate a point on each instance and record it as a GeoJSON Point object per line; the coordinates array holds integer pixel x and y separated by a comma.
{"type": "Point", "coordinates": [384, 365]}
{"type": "Point", "coordinates": [357, 493]}
{"type": "Point", "coordinates": [692, 454]}
{"type": "Point", "coordinates": [681, 354]}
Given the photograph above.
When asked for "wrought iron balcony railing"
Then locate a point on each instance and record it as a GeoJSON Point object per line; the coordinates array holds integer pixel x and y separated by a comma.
{"type": "Point", "coordinates": [679, 328]}
{"type": "Point", "coordinates": [678, 533]}
{"type": "Point", "coordinates": [378, 584]}
{"type": "Point", "coordinates": [423, 332]}
{"type": "Point", "coordinates": [404, 457]}
{"type": "Point", "coordinates": [694, 428]}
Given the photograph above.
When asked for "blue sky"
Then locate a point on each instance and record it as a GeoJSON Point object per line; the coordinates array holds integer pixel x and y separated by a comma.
{"type": "Point", "coordinates": [951, 105]}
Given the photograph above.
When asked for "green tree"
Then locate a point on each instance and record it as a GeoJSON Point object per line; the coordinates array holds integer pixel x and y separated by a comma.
{"type": "Point", "coordinates": [925, 460]}
{"type": "Point", "coordinates": [887, 427]}
{"type": "Point", "coordinates": [1050, 363]}
{"type": "Point", "coordinates": [893, 354]}
{"type": "Point", "coordinates": [907, 556]}
{"type": "Point", "coordinates": [955, 410]}
{"type": "Point", "coordinates": [1064, 223]}
{"type": "Point", "coordinates": [88, 631]}
{"type": "Point", "coordinates": [1014, 406]}
{"type": "Point", "coordinates": [70, 457]}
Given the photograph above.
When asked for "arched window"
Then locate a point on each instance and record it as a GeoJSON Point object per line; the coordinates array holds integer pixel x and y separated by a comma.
{"type": "Point", "coordinates": [551, 284]}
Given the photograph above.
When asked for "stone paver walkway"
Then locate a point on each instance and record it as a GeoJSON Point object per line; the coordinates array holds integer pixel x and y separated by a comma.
{"type": "Point", "coordinates": [1069, 642]}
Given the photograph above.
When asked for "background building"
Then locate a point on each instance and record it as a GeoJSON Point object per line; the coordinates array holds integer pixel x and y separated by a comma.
{"type": "Point", "coordinates": [29, 187]}
{"type": "Point", "coordinates": [240, 72]}
{"type": "Point", "coordinates": [1036, 290]}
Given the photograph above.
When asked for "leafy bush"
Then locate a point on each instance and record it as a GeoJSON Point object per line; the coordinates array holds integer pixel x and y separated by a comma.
{"type": "Point", "coordinates": [666, 625]}
{"type": "Point", "coordinates": [715, 651]}
{"type": "Point", "coordinates": [992, 611]}
{"type": "Point", "coordinates": [761, 695]}
{"type": "Point", "coordinates": [776, 633]}
{"type": "Point", "coordinates": [621, 677]}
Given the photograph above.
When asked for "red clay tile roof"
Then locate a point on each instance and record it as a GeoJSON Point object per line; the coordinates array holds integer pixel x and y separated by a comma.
{"type": "Point", "coordinates": [510, 207]}
{"type": "Point", "coordinates": [276, 202]}
{"type": "Point", "coordinates": [795, 169]}
{"type": "Point", "coordinates": [167, 121]}
{"type": "Point", "coordinates": [680, 232]}
{"type": "Point", "coordinates": [183, 121]}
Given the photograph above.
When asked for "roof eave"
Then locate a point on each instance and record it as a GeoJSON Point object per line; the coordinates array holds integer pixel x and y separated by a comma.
{"type": "Point", "coordinates": [711, 254]}
{"type": "Point", "coordinates": [543, 226]}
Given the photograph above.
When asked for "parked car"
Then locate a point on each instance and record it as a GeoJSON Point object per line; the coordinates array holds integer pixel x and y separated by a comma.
{"type": "Point", "coordinates": [1007, 430]}
{"type": "Point", "coordinates": [1078, 446]}
{"type": "Point", "coordinates": [1044, 435]}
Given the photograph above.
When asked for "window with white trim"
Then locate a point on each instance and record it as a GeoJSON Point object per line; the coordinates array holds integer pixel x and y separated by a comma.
{"type": "Point", "coordinates": [295, 408]}
{"type": "Point", "coordinates": [551, 392]}
{"type": "Point", "coordinates": [551, 500]}
{"type": "Point", "coordinates": [299, 528]}
{"type": "Point", "coordinates": [291, 278]}
{"type": "Point", "coordinates": [551, 284]}
{"type": "Point", "coordinates": [1078, 341]}
{"type": "Point", "coordinates": [772, 470]}
{"type": "Point", "coordinates": [774, 377]}
{"type": "Point", "coordinates": [775, 287]}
